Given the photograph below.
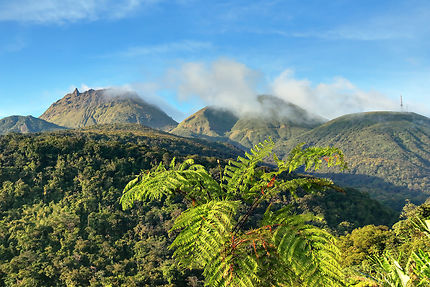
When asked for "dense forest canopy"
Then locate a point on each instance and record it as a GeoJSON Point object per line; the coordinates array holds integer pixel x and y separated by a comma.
{"type": "Point", "coordinates": [60, 219]}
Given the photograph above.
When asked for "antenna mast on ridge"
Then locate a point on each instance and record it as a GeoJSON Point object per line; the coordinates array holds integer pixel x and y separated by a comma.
{"type": "Point", "coordinates": [401, 103]}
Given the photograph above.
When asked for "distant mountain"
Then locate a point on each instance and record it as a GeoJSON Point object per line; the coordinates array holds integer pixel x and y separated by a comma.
{"type": "Point", "coordinates": [26, 124]}
{"type": "Point", "coordinates": [106, 106]}
{"type": "Point", "coordinates": [277, 119]}
{"type": "Point", "coordinates": [388, 153]}
{"type": "Point", "coordinates": [210, 122]}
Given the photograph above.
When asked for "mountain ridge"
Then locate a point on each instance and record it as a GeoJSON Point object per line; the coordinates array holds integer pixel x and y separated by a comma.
{"type": "Point", "coordinates": [26, 124]}
{"type": "Point", "coordinates": [277, 119]}
{"type": "Point", "coordinates": [105, 106]}
{"type": "Point", "coordinates": [388, 153]}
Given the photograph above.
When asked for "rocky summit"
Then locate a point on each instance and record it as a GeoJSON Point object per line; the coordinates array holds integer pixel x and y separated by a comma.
{"type": "Point", "coordinates": [106, 106]}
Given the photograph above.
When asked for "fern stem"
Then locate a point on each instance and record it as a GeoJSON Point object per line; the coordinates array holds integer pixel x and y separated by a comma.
{"type": "Point", "coordinates": [207, 191]}
{"type": "Point", "coordinates": [193, 200]}
{"type": "Point", "coordinates": [244, 218]}
{"type": "Point", "coordinates": [254, 205]}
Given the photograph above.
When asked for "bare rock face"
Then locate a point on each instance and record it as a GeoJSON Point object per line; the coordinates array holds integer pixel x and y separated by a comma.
{"type": "Point", "coordinates": [28, 124]}
{"type": "Point", "coordinates": [106, 106]}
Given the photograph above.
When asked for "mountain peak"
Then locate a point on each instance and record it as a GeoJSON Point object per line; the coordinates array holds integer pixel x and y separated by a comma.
{"type": "Point", "coordinates": [26, 124]}
{"type": "Point", "coordinates": [106, 106]}
{"type": "Point", "coordinates": [207, 122]}
{"type": "Point", "coordinates": [276, 119]}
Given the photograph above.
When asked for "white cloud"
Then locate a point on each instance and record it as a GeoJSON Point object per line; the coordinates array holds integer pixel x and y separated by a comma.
{"type": "Point", "coordinates": [224, 83]}
{"type": "Point", "coordinates": [63, 11]}
{"type": "Point", "coordinates": [150, 92]}
{"type": "Point", "coordinates": [329, 100]}
{"type": "Point", "coordinates": [85, 87]}
{"type": "Point", "coordinates": [233, 85]}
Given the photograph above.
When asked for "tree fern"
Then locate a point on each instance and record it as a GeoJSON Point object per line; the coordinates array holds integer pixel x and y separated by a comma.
{"type": "Point", "coordinates": [240, 175]}
{"type": "Point", "coordinates": [285, 249]}
{"type": "Point", "coordinates": [189, 179]}
{"type": "Point", "coordinates": [416, 272]}
{"type": "Point", "coordinates": [422, 267]}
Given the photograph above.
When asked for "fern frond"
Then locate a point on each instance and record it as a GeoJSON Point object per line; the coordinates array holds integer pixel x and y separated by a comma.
{"type": "Point", "coordinates": [311, 158]}
{"type": "Point", "coordinates": [204, 232]}
{"type": "Point", "coordinates": [309, 251]}
{"type": "Point", "coordinates": [422, 268]}
{"type": "Point", "coordinates": [388, 270]}
{"type": "Point", "coordinates": [239, 175]}
{"type": "Point", "coordinates": [189, 179]}
{"type": "Point", "coordinates": [285, 250]}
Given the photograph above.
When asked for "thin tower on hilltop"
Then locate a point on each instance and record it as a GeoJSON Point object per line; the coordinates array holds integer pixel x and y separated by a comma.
{"type": "Point", "coordinates": [401, 103]}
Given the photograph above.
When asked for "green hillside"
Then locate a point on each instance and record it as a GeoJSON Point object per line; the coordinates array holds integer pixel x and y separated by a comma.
{"type": "Point", "coordinates": [61, 223]}
{"type": "Point", "coordinates": [210, 123]}
{"type": "Point", "coordinates": [276, 119]}
{"type": "Point", "coordinates": [107, 106]}
{"type": "Point", "coordinates": [388, 153]}
{"type": "Point", "coordinates": [248, 131]}
{"type": "Point", "coordinates": [28, 124]}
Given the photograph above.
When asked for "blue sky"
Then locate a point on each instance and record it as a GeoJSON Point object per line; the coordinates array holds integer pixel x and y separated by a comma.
{"type": "Point", "coordinates": [331, 57]}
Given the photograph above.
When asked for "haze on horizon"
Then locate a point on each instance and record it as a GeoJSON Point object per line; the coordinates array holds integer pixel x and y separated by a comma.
{"type": "Point", "coordinates": [330, 58]}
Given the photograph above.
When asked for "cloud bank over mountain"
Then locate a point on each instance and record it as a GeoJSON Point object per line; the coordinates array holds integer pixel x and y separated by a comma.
{"type": "Point", "coordinates": [233, 85]}
{"type": "Point", "coordinates": [230, 84]}
{"type": "Point", "coordinates": [223, 83]}
{"type": "Point", "coordinates": [330, 100]}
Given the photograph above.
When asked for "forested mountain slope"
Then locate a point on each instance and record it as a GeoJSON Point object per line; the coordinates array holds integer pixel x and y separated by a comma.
{"type": "Point", "coordinates": [209, 122]}
{"type": "Point", "coordinates": [388, 153]}
{"type": "Point", "coordinates": [60, 219]}
{"type": "Point", "coordinates": [106, 106]}
{"type": "Point", "coordinates": [273, 118]}
{"type": "Point", "coordinates": [28, 124]}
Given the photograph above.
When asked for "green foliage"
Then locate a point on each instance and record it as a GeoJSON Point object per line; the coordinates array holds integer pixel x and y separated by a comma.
{"type": "Point", "coordinates": [61, 223]}
{"type": "Point", "coordinates": [188, 178]}
{"type": "Point", "coordinates": [401, 257]}
{"type": "Point", "coordinates": [60, 219]}
{"type": "Point", "coordinates": [362, 243]}
{"type": "Point", "coordinates": [216, 234]}
{"type": "Point", "coordinates": [345, 211]}
{"type": "Point", "coordinates": [422, 267]}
